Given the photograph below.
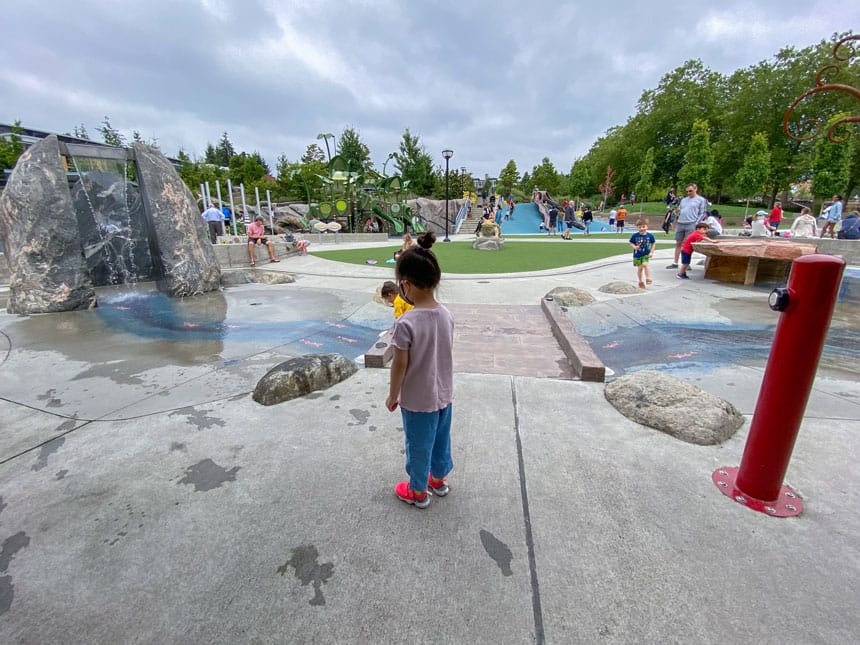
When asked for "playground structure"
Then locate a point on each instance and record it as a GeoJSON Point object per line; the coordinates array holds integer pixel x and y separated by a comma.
{"type": "Point", "coordinates": [355, 198]}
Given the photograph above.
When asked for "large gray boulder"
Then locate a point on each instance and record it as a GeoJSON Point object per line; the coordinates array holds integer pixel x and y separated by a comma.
{"type": "Point", "coordinates": [40, 231]}
{"type": "Point", "coordinates": [675, 407]}
{"type": "Point", "coordinates": [433, 212]}
{"type": "Point", "coordinates": [302, 375]}
{"type": "Point", "coordinates": [188, 261]}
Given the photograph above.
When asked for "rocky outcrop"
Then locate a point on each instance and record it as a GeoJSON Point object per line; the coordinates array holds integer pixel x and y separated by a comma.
{"type": "Point", "coordinates": [302, 375]}
{"type": "Point", "coordinates": [433, 212]}
{"type": "Point", "coordinates": [620, 288]}
{"type": "Point", "coordinates": [570, 297]}
{"type": "Point", "coordinates": [252, 276]}
{"type": "Point", "coordinates": [675, 407]}
{"type": "Point", "coordinates": [488, 243]}
{"type": "Point", "coordinates": [40, 230]}
{"type": "Point", "coordinates": [188, 261]}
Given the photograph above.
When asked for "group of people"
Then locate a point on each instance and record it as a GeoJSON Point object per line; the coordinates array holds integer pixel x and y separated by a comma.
{"type": "Point", "coordinates": [494, 213]}
{"type": "Point", "coordinates": [563, 220]}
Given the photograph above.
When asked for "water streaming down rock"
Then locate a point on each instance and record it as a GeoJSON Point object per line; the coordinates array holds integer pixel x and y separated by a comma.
{"type": "Point", "coordinates": [118, 224]}
{"type": "Point", "coordinates": [115, 239]}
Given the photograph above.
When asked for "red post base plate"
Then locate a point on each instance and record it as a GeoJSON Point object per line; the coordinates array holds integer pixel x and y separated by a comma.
{"type": "Point", "coordinates": [787, 504]}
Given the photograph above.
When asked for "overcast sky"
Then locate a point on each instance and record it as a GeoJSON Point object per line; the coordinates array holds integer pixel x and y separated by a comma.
{"type": "Point", "coordinates": [493, 81]}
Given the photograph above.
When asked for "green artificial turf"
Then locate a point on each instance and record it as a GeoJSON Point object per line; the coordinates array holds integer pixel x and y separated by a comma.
{"type": "Point", "coordinates": [460, 257]}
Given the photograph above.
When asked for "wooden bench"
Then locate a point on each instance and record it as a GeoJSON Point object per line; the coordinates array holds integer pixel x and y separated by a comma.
{"type": "Point", "coordinates": [746, 261]}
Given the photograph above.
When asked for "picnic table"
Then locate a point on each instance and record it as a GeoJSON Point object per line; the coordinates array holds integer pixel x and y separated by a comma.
{"type": "Point", "coordinates": [745, 261]}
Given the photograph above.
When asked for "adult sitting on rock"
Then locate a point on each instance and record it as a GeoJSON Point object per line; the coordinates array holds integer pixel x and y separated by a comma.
{"type": "Point", "coordinates": [257, 235]}
{"type": "Point", "coordinates": [804, 225]}
{"type": "Point", "coordinates": [488, 227]}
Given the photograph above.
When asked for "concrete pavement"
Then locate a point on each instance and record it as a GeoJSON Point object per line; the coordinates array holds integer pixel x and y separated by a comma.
{"type": "Point", "coordinates": [146, 497]}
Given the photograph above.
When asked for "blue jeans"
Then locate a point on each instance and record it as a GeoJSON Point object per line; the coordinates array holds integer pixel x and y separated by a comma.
{"type": "Point", "coordinates": [428, 445]}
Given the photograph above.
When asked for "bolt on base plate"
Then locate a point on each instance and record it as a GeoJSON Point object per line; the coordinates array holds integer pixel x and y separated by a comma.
{"type": "Point", "coordinates": [787, 504]}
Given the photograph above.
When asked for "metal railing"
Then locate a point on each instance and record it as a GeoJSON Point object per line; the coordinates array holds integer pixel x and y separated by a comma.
{"type": "Point", "coordinates": [461, 215]}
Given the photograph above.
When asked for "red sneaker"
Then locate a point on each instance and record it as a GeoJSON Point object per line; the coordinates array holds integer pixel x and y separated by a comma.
{"type": "Point", "coordinates": [419, 500]}
{"type": "Point", "coordinates": [438, 486]}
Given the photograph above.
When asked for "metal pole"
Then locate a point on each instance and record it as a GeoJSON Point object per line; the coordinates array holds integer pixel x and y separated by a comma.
{"type": "Point", "coordinates": [257, 193]}
{"type": "Point", "coordinates": [447, 239]}
{"type": "Point", "coordinates": [203, 195]}
{"type": "Point", "coordinates": [232, 206]}
{"type": "Point", "coordinates": [807, 305]}
{"type": "Point", "coordinates": [220, 204]}
{"type": "Point", "coordinates": [245, 215]}
{"type": "Point", "coordinates": [208, 199]}
{"type": "Point", "coordinates": [271, 213]}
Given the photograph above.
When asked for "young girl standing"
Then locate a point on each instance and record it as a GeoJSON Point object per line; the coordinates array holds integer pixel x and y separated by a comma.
{"type": "Point", "coordinates": [422, 376]}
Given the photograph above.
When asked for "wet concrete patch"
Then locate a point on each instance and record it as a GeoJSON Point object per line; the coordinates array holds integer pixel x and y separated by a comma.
{"type": "Point", "coordinates": [498, 551]}
{"type": "Point", "coordinates": [206, 475]}
{"type": "Point", "coordinates": [46, 451]}
{"type": "Point", "coordinates": [61, 474]}
{"type": "Point", "coordinates": [50, 400]}
{"type": "Point", "coordinates": [199, 418]}
{"type": "Point", "coordinates": [303, 560]}
{"type": "Point", "coordinates": [361, 417]}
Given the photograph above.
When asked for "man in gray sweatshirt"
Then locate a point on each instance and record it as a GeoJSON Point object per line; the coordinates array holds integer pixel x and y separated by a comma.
{"type": "Point", "coordinates": [693, 209]}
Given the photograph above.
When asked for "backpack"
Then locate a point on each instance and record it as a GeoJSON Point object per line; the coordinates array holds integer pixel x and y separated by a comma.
{"type": "Point", "coordinates": [853, 230]}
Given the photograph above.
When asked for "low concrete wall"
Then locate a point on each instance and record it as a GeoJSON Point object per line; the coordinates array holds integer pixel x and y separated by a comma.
{"type": "Point", "coordinates": [236, 255]}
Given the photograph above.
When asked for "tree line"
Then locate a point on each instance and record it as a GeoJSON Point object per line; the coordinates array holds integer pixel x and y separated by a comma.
{"type": "Point", "coordinates": [724, 132]}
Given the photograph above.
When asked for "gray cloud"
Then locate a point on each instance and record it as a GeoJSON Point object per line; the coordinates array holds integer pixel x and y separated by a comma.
{"type": "Point", "coordinates": [492, 80]}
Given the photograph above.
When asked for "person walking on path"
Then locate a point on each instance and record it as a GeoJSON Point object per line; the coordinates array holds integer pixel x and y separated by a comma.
{"type": "Point", "coordinates": [214, 218]}
{"type": "Point", "coordinates": [834, 214]}
{"type": "Point", "coordinates": [692, 210]}
{"type": "Point", "coordinates": [643, 248]}
{"type": "Point", "coordinates": [422, 376]}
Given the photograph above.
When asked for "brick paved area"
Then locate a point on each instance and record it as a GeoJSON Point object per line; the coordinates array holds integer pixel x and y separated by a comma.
{"type": "Point", "coordinates": [506, 339]}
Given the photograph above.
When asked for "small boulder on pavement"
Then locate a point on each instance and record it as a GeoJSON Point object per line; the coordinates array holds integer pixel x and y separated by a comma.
{"type": "Point", "coordinates": [302, 375]}
{"type": "Point", "coordinates": [570, 297]}
{"type": "Point", "coordinates": [622, 288]}
{"type": "Point", "coordinates": [674, 406]}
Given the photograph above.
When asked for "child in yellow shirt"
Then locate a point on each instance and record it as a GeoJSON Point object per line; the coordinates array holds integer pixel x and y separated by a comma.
{"type": "Point", "coordinates": [389, 293]}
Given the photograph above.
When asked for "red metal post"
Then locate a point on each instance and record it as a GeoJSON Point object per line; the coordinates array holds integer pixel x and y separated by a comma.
{"type": "Point", "coordinates": [799, 339]}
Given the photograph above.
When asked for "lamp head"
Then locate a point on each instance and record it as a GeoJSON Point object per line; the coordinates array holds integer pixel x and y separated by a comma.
{"type": "Point", "coordinates": [447, 154]}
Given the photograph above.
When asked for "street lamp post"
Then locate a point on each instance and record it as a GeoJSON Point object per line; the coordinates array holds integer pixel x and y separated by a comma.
{"type": "Point", "coordinates": [447, 154]}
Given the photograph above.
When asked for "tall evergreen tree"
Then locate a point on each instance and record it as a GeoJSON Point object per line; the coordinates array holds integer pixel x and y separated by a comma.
{"type": "Point", "coordinates": [111, 135]}
{"type": "Point", "coordinates": [415, 165]}
{"type": "Point", "coordinates": [509, 177]}
{"type": "Point", "coordinates": [224, 151]}
{"type": "Point", "coordinates": [354, 152]}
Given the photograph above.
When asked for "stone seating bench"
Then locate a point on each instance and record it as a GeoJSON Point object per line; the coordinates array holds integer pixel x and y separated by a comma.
{"type": "Point", "coordinates": [748, 260]}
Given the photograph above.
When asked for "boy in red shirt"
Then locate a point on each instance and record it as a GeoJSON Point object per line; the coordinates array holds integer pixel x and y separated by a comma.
{"type": "Point", "coordinates": [687, 248]}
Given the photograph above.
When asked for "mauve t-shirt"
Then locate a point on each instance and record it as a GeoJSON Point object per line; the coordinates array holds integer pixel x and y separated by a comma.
{"type": "Point", "coordinates": [428, 336]}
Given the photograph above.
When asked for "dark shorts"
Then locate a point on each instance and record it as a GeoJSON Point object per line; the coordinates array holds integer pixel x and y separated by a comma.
{"type": "Point", "coordinates": [686, 258]}
{"type": "Point", "coordinates": [774, 224]}
{"type": "Point", "coordinates": [263, 240]}
{"type": "Point", "coordinates": [620, 223]}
